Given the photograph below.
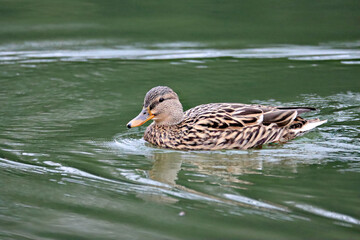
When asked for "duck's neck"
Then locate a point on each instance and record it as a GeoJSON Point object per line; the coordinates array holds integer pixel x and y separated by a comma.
{"type": "Point", "coordinates": [168, 136]}
{"type": "Point", "coordinates": [170, 121]}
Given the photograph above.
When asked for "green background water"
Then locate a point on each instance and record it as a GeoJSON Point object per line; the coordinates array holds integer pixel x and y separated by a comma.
{"type": "Point", "coordinates": [73, 73]}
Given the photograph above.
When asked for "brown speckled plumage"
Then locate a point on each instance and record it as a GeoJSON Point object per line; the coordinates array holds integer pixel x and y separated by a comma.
{"type": "Point", "coordinates": [220, 125]}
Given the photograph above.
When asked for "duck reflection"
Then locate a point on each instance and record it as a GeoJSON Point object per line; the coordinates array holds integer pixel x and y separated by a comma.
{"type": "Point", "coordinates": [166, 167]}
{"type": "Point", "coordinates": [224, 165]}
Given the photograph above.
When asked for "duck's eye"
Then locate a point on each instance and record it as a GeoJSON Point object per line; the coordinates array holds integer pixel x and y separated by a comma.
{"type": "Point", "coordinates": [161, 99]}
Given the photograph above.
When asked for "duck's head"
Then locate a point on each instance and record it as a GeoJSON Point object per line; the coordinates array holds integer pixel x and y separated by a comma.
{"type": "Point", "coordinates": [162, 105]}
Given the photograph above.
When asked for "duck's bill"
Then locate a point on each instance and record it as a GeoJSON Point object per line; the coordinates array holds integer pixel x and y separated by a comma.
{"type": "Point", "coordinates": [144, 116]}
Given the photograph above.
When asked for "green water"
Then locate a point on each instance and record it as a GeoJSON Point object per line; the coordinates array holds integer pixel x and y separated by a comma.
{"type": "Point", "coordinates": [73, 73]}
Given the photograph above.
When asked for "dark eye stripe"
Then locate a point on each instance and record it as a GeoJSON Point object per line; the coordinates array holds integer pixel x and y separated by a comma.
{"type": "Point", "coordinates": [151, 107]}
{"type": "Point", "coordinates": [154, 104]}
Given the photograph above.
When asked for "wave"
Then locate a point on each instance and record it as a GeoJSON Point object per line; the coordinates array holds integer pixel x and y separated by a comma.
{"type": "Point", "coordinates": [92, 50]}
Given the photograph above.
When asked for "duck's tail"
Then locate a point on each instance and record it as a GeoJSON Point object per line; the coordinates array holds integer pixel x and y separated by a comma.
{"type": "Point", "coordinates": [302, 126]}
{"type": "Point", "coordinates": [310, 124]}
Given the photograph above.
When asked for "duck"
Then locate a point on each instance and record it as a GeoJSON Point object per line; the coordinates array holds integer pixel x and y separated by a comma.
{"type": "Point", "coordinates": [218, 126]}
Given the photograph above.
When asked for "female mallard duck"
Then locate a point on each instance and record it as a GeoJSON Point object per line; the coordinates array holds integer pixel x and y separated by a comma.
{"type": "Point", "coordinates": [217, 125]}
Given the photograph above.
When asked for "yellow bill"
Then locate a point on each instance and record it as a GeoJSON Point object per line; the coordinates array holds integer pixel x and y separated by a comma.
{"type": "Point", "coordinates": [144, 116]}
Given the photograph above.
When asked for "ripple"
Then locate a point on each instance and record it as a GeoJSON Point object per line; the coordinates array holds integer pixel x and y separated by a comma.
{"type": "Point", "coordinates": [53, 168]}
{"type": "Point", "coordinates": [253, 202]}
{"type": "Point", "coordinates": [326, 213]}
{"type": "Point", "coordinates": [350, 62]}
{"type": "Point", "coordinates": [168, 51]}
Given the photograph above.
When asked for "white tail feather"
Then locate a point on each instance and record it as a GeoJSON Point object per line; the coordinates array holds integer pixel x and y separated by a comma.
{"type": "Point", "coordinates": [310, 125]}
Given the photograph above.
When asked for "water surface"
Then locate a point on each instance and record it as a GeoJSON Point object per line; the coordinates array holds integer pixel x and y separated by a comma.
{"type": "Point", "coordinates": [70, 169]}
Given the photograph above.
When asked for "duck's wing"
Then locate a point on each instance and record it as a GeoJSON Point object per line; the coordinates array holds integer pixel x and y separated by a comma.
{"type": "Point", "coordinates": [225, 115]}
{"type": "Point", "coordinates": [286, 116]}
